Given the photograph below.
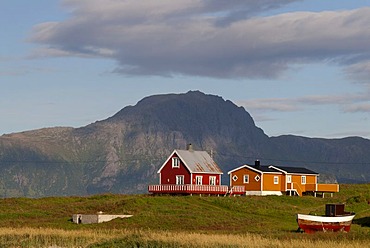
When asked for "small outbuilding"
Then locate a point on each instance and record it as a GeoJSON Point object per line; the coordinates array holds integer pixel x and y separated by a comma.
{"type": "Point", "coordinates": [96, 218]}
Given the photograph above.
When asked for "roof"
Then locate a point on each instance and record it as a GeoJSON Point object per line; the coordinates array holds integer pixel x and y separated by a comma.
{"type": "Point", "coordinates": [259, 169]}
{"type": "Point", "coordinates": [276, 169]}
{"type": "Point", "coordinates": [196, 161]}
{"type": "Point", "coordinates": [294, 170]}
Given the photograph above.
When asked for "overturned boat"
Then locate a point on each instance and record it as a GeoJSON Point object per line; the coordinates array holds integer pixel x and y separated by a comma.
{"type": "Point", "coordinates": [335, 219]}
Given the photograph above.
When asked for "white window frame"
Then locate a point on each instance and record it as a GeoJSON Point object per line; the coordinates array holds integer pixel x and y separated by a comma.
{"type": "Point", "coordinates": [175, 162]}
{"type": "Point", "coordinates": [246, 179]}
{"type": "Point", "coordinates": [235, 178]}
{"type": "Point", "coordinates": [289, 178]}
{"type": "Point", "coordinates": [199, 180]}
{"type": "Point", "coordinates": [303, 180]}
{"type": "Point", "coordinates": [179, 179]}
{"type": "Point", "coordinates": [212, 180]}
{"type": "Point", "coordinates": [276, 179]}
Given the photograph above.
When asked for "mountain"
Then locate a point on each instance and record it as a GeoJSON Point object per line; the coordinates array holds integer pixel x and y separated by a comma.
{"type": "Point", "coordinates": [123, 153]}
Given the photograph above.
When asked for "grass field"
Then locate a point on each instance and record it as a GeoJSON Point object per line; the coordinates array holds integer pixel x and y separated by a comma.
{"type": "Point", "coordinates": [180, 221]}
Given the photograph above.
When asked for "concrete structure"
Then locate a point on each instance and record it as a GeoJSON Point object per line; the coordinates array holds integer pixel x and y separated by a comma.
{"type": "Point", "coordinates": [95, 218]}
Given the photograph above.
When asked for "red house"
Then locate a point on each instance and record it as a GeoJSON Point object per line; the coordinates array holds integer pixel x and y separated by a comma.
{"type": "Point", "coordinates": [189, 172]}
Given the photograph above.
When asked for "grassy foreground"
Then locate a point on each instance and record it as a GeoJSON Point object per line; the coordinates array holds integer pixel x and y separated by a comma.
{"type": "Point", "coordinates": [174, 221]}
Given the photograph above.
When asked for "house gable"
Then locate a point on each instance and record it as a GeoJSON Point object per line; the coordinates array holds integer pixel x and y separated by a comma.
{"type": "Point", "coordinates": [238, 175]}
{"type": "Point", "coordinates": [190, 165]}
{"type": "Point", "coordinates": [169, 174]}
{"type": "Point", "coordinates": [167, 160]}
{"type": "Point", "coordinates": [257, 178]}
{"type": "Point", "coordinates": [299, 176]}
{"type": "Point", "coordinates": [195, 161]}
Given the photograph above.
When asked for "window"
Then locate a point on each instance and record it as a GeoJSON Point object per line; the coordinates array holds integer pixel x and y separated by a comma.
{"type": "Point", "coordinates": [235, 177]}
{"type": "Point", "coordinates": [212, 180]}
{"type": "Point", "coordinates": [276, 180]}
{"type": "Point", "coordinates": [257, 178]}
{"type": "Point", "coordinates": [179, 180]}
{"type": "Point", "coordinates": [199, 180]}
{"type": "Point", "coordinates": [288, 178]}
{"type": "Point", "coordinates": [303, 179]}
{"type": "Point", "coordinates": [246, 179]}
{"type": "Point", "coordinates": [175, 162]}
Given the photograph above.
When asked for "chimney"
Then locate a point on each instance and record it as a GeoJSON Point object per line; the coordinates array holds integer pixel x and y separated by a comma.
{"type": "Point", "coordinates": [189, 147]}
{"type": "Point", "coordinates": [257, 164]}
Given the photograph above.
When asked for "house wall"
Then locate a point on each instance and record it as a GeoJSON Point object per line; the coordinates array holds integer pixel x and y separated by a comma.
{"type": "Point", "coordinates": [205, 180]}
{"type": "Point", "coordinates": [168, 174]}
{"type": "Point", "coordinates": [268, 182]}
{"type": "Point", "coordinates": [297, 179]}
{"type": "Point", "coordinates": [85, 218]}
{"type": "Point", "coordinates": [253, 185]}
{"type": "Point", "coordinates": [283, 183]}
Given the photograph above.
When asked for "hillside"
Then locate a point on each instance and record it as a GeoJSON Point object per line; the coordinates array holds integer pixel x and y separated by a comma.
{"type": "Point", "coordinates": [271, 217]}
{"type": "Point", "coordinates": [122, 153]}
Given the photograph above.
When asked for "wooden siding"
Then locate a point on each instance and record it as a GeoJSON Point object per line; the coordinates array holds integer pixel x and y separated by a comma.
{"type": "Point", "coordinates": [311, 187]}
{"type": "Point", "coordinates": [328, 187]}
{"type": "Point", "coordinates": [297, 182]}
{"type": "Point", "coordinates": [168, 174]}
{"type": "Point", "coordinates": [253, 185]}
{"type": "Point", "coordinates": [268, 182]}
{"type": "Point", "coordinates": [206, 178]}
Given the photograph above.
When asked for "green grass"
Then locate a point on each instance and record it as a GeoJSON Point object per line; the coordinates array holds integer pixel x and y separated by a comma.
{"type": "Point", "coordinates": [273, 216]}
{"type": "Point", "coordinates": [211, 214]}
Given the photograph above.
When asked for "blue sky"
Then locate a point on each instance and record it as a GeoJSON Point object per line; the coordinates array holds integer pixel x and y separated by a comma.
{"type": "Point", "coordinates": [298, 67]}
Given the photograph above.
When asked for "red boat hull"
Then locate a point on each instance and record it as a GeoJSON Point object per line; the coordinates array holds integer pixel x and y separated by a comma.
{"type": "Point", "coordinates": [309, 228]}
{"type": "Point", "coordinates": [311, 224]}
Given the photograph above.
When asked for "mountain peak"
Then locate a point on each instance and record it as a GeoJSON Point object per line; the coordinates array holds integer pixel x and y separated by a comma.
{"type": "Point", "coordinates": [194, 112]}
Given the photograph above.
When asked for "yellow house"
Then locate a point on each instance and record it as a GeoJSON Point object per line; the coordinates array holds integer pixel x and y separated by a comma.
{"type": "Point", "coordinates": [272, 180]}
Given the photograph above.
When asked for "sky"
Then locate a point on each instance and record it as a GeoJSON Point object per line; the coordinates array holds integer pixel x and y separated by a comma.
{"type": "Point", "coordinates": [298, 67]}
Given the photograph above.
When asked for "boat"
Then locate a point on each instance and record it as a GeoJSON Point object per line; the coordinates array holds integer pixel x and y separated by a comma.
{"type": "Point", "coordinates": [335, 219]}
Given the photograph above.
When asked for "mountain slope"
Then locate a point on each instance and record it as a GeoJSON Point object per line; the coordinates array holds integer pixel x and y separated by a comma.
{"type": "Point", "coordinates": [122, 153]}
{"type": "Point", "coordinates": [347, 158]}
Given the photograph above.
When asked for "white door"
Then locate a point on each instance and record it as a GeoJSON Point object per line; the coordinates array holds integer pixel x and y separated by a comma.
{"type": "Point", "coordinates": [199, 180]}
{"type": "Point", "coordinates": [179, 180]}
{"type": "Point", "coordinates": [289, 181]}
{"type": "Point", "coordinates": [212, 180]}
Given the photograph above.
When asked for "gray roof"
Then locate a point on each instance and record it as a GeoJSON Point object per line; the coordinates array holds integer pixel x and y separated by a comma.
{"type": "Point", "coordinates": [198, 161]}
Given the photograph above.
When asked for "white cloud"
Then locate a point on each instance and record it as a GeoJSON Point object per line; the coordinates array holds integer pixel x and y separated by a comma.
{"type": "Point", "coordinates": [221, 39]}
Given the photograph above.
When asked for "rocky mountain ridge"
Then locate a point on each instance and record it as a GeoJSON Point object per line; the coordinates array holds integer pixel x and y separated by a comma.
{"type": "Point", "coordinates": [123, 153]}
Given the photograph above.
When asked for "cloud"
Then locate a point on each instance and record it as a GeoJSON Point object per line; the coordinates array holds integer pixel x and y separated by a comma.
{"type": "Point", "coordinates": [270, 104]}
{"type": "Point", "coordinates": [347, 103]}
{"type": "Point", "coordinates": [219, 39]}
{"type": "Point", "coordinates": [359, 72]}
{"type": "Point", "coordinates": [362, 107]}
